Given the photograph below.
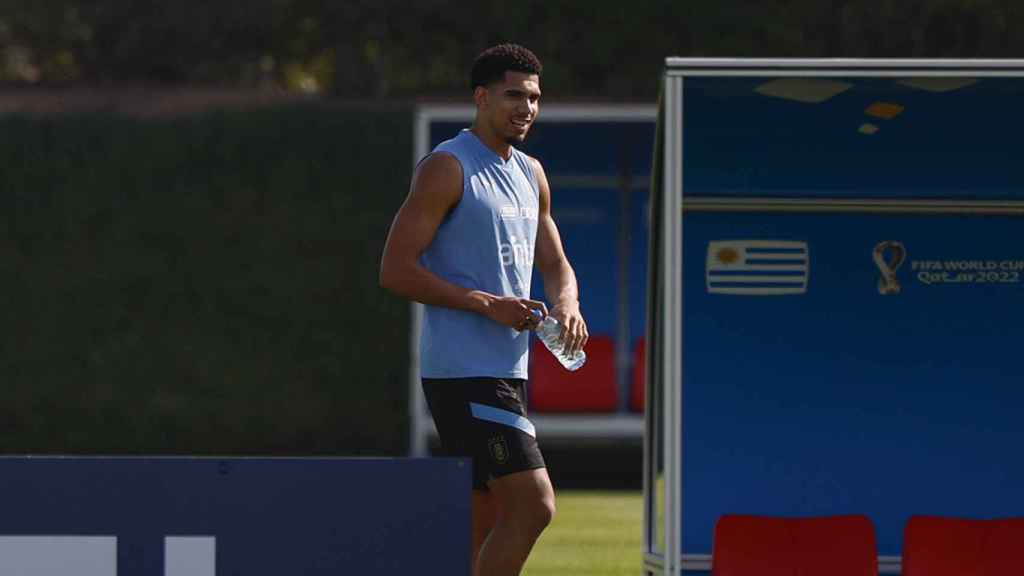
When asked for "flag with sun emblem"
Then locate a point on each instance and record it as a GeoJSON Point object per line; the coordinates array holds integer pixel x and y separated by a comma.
{"type": "Point", "coordinates": [757, 267]}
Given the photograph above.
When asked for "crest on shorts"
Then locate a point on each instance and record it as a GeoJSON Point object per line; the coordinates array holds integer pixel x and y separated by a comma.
{"type": "Point", "coordinates": [499, 449]}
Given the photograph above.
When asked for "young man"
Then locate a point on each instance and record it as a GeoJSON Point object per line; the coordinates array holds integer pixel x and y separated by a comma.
{"type": "Point", "coordinates": [464, 243]}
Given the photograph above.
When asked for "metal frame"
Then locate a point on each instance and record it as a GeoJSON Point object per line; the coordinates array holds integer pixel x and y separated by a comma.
{"type": "Point", "coordinates": [840, 205]}
{"type": "Point", "coordinates": [614, 427]}
{"type": "Point", "coordinates": [671, 322]}
{"type": "Point", "coordinates": [672, 206]}
{"type": "Point", "coordinates": [824, 68]}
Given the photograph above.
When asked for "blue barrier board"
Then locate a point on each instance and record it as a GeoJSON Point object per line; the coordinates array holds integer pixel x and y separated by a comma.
{"type": "Point", "coordinates": [263, 516]}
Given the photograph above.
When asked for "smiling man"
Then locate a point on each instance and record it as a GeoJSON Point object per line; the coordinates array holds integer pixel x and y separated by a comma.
{"type": "Point", "coordinates": [476, 221]}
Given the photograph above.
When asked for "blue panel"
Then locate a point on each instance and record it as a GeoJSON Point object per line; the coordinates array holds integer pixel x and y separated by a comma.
{"type": "Point", "coordinates": [959, 143]}
{"type": "Point", "coordinates": [640, 230]}
{"type": "Point", "coordinates": [845, 400]}
{"type": "Point", "coordinates": [593, 148]}
{"type": "Point", "coordinates": [588, 223]}
{"type": "Point", "coordinates": [269, 516]}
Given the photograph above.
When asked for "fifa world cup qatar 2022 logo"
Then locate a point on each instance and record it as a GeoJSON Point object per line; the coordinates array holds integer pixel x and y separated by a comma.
{"type": "Point", "coordinates": [889, 256]}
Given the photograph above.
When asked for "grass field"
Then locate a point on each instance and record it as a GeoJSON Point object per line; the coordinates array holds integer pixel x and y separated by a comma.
{"type": "Point", "coordinates": [594, 534]}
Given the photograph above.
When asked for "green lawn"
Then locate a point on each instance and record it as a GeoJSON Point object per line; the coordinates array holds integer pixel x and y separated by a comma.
{"type": "Point", "coordinates": [593, 534]}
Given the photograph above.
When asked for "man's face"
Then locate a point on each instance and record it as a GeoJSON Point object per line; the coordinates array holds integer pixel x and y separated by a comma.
{"type": "Point", "coordinates": [511, 105]}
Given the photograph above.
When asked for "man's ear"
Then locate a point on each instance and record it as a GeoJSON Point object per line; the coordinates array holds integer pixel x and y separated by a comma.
{"type": "Point", "coordinates": [480, 96]}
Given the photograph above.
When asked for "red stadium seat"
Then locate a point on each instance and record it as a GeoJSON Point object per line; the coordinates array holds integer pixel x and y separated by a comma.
{"type": "Point", "coordinates": [938, 546]}
{"type": "Point", "coordinates": [774, 546]}
{"type": "Point", "coordinates": [592, 388]}
{"type": "Point", "coordinates": [637, 389]}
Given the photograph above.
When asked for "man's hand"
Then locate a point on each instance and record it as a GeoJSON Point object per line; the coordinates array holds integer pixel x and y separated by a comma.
{"type": "Point", "coordinates": [516, 313]}
{"type": "Point", "coordinates": [574, 328]}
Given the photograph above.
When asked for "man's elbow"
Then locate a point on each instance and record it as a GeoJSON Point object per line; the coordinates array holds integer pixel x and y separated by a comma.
{"type": "Point", "coordinates": [389, 278]}
{"type": "Point", "coordinates": [554, 268]}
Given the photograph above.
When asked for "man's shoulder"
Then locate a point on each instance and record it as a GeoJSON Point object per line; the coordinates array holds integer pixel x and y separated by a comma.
{"type": "Point", "coordinates": [440, 160]}
{"type": "Point", "coordinates": [533, 163]}
{"type": "Point", "coordinates": [531, 159]}
{"type": "Point", "coordinates": [454, 145]}
{"type": "Point", "coordinates": [439, 170]}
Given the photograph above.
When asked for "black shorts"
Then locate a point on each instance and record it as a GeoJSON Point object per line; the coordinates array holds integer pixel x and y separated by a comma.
{"type": "Point", "coordinates": [484, 419]}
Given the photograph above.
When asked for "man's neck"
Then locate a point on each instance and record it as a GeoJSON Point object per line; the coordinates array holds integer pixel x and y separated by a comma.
{"type": "Point", "coordinates": [492, 141]}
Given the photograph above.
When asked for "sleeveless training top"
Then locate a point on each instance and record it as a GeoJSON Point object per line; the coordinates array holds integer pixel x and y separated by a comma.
{"type": "Point", "coordinates": [485, 243]}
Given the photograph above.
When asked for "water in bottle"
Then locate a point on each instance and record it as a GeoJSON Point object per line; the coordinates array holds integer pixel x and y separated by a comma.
{"type": "Point", "coordinates": [549, 331]}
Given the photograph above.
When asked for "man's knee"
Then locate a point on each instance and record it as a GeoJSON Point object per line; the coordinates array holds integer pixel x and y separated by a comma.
{"type": "Point", "coordinates": [528, 499]}
{"type": "Point", "coordinates": [536, 511]}
{"type": "Point", "coordinates": [543, 512]}
{"type": "Point", "coordinates": [533, 515]}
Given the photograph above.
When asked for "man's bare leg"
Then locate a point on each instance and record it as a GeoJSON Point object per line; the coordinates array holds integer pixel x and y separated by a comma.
{"type": "Point", "coordinates": [485, 514]}
{"type": "Point", "coordinates": [527, 505]}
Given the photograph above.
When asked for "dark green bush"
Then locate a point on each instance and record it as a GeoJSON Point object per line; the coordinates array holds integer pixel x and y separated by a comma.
{"type": "Point", "coordinates": [202, 285]}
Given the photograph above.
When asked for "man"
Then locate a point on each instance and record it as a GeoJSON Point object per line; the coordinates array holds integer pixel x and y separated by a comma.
{"type": "Point", "coordinates": [464, 243]}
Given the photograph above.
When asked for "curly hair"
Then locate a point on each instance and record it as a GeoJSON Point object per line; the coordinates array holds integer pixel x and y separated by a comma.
{"type": "Point", "coordinates": [491, 65]}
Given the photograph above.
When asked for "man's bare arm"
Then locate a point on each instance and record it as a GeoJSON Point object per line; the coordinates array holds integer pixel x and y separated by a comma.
{"type": "Point", "coordinates": [560, 285]}
{"type": "Point", "coordinates": [436, 189]}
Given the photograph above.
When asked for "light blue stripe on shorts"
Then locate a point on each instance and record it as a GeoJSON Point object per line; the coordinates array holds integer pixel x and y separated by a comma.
{"type": "Point", "coordinates": [492, 414]}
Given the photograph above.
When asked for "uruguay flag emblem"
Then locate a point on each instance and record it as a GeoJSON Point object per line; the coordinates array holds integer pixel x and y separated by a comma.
{"type": "Point", "coordinates": [757, 267]}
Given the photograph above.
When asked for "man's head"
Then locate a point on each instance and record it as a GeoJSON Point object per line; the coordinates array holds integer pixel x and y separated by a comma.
{"type": "Point", "coordinates": [506, 89]}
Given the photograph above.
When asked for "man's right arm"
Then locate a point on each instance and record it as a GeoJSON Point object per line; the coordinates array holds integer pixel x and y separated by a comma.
{"type": "Point", "coordinates": [436, 189]}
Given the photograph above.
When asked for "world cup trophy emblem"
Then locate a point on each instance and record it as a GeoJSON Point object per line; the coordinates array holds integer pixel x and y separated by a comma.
{"type": "Point", "coordinates": [889, 255]}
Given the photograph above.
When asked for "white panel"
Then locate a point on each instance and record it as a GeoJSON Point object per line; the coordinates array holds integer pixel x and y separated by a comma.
{"type": "Point", "coordinates": [190, 556]}
{"type": "Point", "coordinates": [806, 90]}
{"type": "Point", "coordinates": [58, 555]}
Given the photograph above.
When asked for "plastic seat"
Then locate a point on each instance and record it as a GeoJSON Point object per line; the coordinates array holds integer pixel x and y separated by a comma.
{"type": "Point", "coordinates": [637, 388]}
{"type": "Point", "coordinates": [775, 546]}
{"type": "Point", "coordinates": [943, 546]}
{"type": "Point", "coordinates": [592, 388]}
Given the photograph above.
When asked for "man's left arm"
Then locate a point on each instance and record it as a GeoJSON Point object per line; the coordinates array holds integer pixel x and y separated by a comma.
{"type": "Point", "coordinates": [559, 279]}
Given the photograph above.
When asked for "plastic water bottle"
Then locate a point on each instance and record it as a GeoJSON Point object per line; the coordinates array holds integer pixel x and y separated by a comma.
{"type": "Point", "coordinates": [549, 331]}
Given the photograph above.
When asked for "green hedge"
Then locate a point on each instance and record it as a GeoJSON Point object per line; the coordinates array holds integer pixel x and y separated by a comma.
{"type": "Point", "coordinates": [205, 285]}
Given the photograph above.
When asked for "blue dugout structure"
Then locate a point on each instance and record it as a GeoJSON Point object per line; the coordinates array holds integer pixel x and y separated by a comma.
{"type": "Point", "coordinates": [837, 280]}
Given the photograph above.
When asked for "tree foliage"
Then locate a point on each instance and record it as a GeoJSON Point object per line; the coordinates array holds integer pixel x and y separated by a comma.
{"type": "Point", "coordinates": [391, 49]}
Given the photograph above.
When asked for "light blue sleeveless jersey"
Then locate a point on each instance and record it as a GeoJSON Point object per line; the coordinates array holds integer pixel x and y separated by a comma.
{"type": "Point", "coordinates": [486, 243]}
